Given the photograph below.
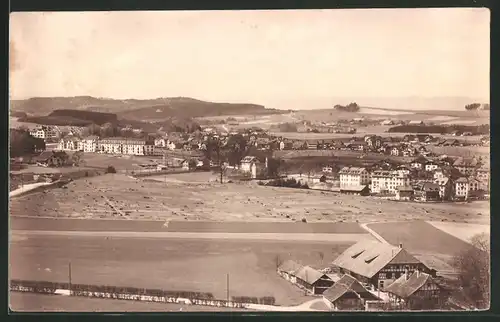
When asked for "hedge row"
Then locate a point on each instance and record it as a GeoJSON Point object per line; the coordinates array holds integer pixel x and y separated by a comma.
{"type": "Point", "coordinates": [48, 287]}
{"type": "Point", "coordinates": [267, 300]}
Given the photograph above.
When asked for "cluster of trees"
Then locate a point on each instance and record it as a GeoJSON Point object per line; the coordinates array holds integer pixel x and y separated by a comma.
{"type": "Point", "coordinates": [288, 183]}
{"type": "Point", "coordinates": [266, 300]}
{"type": "Point", "coordinates": [477, 106]}
{"type": "Point", "coordinates": [23, 144]}
{"type": "Point", "coordinates": [474, 271]}
{"type": "Point", "coordinates": [473, 106]}
{"type": "Point", "coordinates": [351, 107]}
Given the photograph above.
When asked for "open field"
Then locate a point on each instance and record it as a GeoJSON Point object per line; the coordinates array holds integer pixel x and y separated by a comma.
{"type": "Point", "coordinates": [105, 225]}
{"type": "Point", "coordinates": [170, 264]}
{"type": "Point", "coordinates": [462, 231]}
{"type": "Point", "coordinates": [431, 245]}
{"type": "Point", "coordinates": [130, 162]}
{"type": "Point", "coordinates": [27, 302]}
{"type": "Point", "coordinates": [336, 154]}
{"type": "Point", "coordinates": [180, 201]}
{"type": "Point", "coordinates": [465, 151]}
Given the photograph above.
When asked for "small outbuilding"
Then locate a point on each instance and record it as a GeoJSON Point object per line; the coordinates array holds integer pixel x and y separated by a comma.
{"type": "Point", "coordinates": [347, 294]}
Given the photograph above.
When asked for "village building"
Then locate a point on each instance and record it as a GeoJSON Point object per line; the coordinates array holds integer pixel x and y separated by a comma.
{"type": "Point", "coordinates": [373, 141]}
{"type": "Point", "coordinates": [426, 191]}
{"type": "Point", "coordinates": [403, 169]}
{"type": "Point", "coordinates": [129, 146]}
{"type": "Point", "coordinates": [189, 164]}
{"type": "Point", "coordinates": [396, 151]}
{"type": "Point", "coordinates": [377, 264]}
{"type": "Point", "coordinates": [466, 188]}
{"type": "Point", "coordinates": [347, 294]}
{"type": "Point", "coordinates": [404, 193]}
{"type": "Point", "coordinates": [70, 143]}
{"type": "Point", "coordinates": [388, 181]}
{"type": "Point", "coordinates": [312, 280]}
{"type": "Point", "coordinates": [387, 122]}
{"type": "Point", "coordinates": [90, 144]}
{"type": "Point", "coordinates": [52, 159]}
{"type": "Point", "coordinates": [419, 163]}
{"type": "Point", "coordinates": [445, 188]}
{"type": "Point", "coordinates": [431, 166]}
{"type": "Point", "coordinates": [288, 270]}
{"type": "Point", "coordinates": [483, 176]}
{"type": "Point", "coordinates": [160, 142]}
{"type": "Point", "coordinates": [362, 190]}
{"type": "Point", "coordinates": [353, 176]}
{"type": "Point", "coordinates": [47, 133]}
{"type": "Point", "coordinates": [416, 122]}
{"type": "Point", "coordinates": [416, 291]}
{"type": "Point", "coordinates": [466, 166]}
{"type": "Point", "coordinates": [253, 166]}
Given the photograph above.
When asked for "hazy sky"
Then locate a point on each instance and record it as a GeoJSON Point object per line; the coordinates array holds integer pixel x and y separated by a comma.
{"type": "Point", "coordinates": [252, 56]}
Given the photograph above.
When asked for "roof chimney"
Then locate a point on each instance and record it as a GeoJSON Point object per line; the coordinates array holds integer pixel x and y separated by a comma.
{"type": "Point", "coordinates": [400, 245]}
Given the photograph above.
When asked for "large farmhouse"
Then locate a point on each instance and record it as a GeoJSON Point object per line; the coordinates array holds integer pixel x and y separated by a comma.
{"type": "Point", "coordinates": [377, 264]}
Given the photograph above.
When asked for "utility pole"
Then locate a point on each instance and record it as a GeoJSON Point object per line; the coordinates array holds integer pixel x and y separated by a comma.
{"type": "Point", "coordinates": [227, 286]}
{"type": "Point", "coordinates": [69, 273]}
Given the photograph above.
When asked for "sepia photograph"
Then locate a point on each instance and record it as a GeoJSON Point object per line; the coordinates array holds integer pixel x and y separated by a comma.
{"type": "Point", "coordinates": [332, 160]}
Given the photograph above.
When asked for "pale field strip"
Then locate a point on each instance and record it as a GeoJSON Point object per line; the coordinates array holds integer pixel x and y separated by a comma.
{"type": "Point", "coordinates": [19, 235]}
{"type": "Point", "coordinates": [463, 231]}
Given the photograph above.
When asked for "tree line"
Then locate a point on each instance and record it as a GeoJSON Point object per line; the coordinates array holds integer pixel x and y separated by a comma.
{"type": "Point", "coordinates": [23, 144]}
{"type": "Point", "coordinates": [351, 107]}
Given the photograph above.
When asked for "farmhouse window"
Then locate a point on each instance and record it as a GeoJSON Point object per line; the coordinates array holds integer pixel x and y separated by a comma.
{"type": "Point", "coordinates": [381, 276]}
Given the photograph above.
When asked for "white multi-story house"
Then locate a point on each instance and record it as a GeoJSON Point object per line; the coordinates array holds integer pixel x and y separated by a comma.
{"type": "Point", "coordinates": [44, 132]}
{"type": "Point", "coordinates": [483, 176]}
{"type": "Point", "coordinates": [70, 143]}
{"type": "Point", "coordinates": [126, 146]}
{"type": "Point", "coordinates": [431, 166]}
{"type": "Point", "coordinates": [464, 187]}
{"type": "Point", "coordinates": [90, 144]}
{"type": "Point", "coordinates": [170, 145]}
{"type": "Point", "coordinates": [161, 142]}
{"type": "Point", "coordinates": [396, 151]}
{"type": "Point", "coordinates": [353, 176]}
{"type": "Point", "coordinates": [388, 181]}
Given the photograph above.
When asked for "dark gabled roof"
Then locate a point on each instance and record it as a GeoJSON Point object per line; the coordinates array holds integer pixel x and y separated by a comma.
{"type": "Point", "coordinates": [367, 258]}
{"type": "Point", "coordinates": [310, 275]}
{"type": "Point", "coordinates": [405, 288]}
{"type": "Point", "coordinates": [44, 156]}
{"type": "Point", "coordinates": [347, 284]}
{"type": "Point", "coordinates": [354, 188]}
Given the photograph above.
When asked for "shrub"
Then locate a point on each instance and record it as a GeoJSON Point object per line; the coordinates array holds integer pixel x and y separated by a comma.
{"type": "Point", "coordinates": [110, 169]}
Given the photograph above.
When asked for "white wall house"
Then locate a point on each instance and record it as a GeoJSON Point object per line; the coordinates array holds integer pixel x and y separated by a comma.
{"type": "Point", "coordinates": [353, 176]}
{"type": "Point", "coordinates": [388, 181]}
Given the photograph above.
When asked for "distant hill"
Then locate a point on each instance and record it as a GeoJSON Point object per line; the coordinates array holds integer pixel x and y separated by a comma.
{"type": "Point", "coordinates": [72, 117]}
{"type": "Point", "coordinates": [138, 109]}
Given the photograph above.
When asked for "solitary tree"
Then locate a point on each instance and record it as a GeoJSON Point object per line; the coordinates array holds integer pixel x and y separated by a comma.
{"type": "Point", "coordinates": [473, 267]}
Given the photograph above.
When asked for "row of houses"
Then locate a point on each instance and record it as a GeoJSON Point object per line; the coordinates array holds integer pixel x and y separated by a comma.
{"type": "Point", "coordinates": [371, 272]}
{"type": "Point", "coordinates": [464, 179]}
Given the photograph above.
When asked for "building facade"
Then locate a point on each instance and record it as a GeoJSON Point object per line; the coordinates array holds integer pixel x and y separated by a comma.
{"type": "Point", "coordinates": [388, 181]}
{"type": "Point", "coordinates": [353, 176]}
{"type": "Point", "coordinates": [126, 146]}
